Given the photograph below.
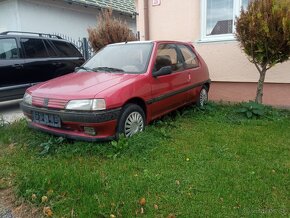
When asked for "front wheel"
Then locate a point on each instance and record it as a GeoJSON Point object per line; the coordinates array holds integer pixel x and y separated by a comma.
{"type": "Point", "coordinates": [203, 97]}
{"type": "Point", "coordinates": [132, 120]}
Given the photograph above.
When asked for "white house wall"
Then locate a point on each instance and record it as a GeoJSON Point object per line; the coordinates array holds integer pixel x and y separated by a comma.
{"type": "Point", "coordinates": [8, 17]}
{"type": "Point", "coordinates": [50, 16]}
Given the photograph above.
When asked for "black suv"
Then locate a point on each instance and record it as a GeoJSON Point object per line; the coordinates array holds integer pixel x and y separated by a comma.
{"type": "Point", "coordinates": [28, 58]}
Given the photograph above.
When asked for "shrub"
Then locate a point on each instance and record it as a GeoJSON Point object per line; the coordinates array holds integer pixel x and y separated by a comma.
{"type": "Point", "coordinates": [109, 30]}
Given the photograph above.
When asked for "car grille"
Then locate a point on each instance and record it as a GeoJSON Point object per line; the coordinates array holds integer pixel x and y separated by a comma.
{"type": "Point", "coordinates": [49, 102]}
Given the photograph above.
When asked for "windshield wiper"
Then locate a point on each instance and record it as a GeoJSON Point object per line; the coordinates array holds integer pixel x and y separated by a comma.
{"type": "Point", "coordinates": [108, 69]}
{"type": "Point", "coordinates": [83, 68]}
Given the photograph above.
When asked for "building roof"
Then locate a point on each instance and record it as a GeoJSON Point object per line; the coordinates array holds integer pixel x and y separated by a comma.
{"type": "Point", "coordinates": [123, 6]}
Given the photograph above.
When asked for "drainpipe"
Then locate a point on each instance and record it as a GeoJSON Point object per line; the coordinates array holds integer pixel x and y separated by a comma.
{"type": "Point", "coordinates": [146, 20]}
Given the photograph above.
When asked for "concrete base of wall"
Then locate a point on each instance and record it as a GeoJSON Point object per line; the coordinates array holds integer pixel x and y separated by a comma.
{"type": "Point", "coordinates": [275, 94]}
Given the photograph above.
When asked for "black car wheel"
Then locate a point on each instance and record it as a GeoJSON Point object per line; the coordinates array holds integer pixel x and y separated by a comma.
{"type": "Point", "coordinates": [132, 120]}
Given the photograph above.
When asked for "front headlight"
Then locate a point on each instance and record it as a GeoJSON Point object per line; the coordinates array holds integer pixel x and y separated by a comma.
{"type": "Point", "coordinates": [86, 105]}
{"type": "Point", "coordinates": [27, 98]}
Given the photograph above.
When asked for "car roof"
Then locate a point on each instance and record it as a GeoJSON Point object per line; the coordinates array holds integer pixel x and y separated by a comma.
{"type": "Point", "coordinates": [149, 42]}
{"type": "Point", "coordinates": [17, 34]}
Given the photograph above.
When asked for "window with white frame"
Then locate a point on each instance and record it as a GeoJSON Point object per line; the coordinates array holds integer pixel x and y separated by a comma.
{"type": "Point", "coordinates": [218, 17]}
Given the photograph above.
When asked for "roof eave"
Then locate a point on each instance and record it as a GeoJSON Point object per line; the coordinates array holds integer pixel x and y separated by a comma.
{"type": "Point", "coordinates": [91, 5]}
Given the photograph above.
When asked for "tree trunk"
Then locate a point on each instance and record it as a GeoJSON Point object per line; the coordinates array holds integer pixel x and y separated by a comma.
{"type": "Point", "coordinates": [259, 94]}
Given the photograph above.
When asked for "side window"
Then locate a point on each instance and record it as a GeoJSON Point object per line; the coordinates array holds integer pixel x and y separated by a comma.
{"type": "Point", "coordinates": [167, 56]}
{"type": "Point", "coordinates": [34, 48]}
{"type": "Point", "coordinates": [65, 49]}
{"type": "Point", "coordinates": [50, 49]}
{"type": "Point", "coordinates": [190, 59]}
{"type": "Point", "coordinates": [8, 49]}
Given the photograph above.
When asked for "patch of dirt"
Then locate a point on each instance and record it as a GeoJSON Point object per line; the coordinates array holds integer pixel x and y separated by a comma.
{"type": "Point", "coordinates": [11, 208]}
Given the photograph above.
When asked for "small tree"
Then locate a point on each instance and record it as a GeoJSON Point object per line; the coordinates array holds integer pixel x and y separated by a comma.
{"type": "Point", "coordinates": [109, 30]}
{"type": "Point", "coordinates": [263, 31]}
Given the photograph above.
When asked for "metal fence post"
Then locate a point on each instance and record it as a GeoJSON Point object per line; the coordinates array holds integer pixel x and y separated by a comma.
{"type": "Point", "coordinates": [85, 48]}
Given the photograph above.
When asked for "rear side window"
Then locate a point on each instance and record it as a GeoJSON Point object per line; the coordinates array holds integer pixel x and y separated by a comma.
{"type": "Point", "coordinates": [34, 48]}
{"type": "Point", "coordinates": [50, 49]}
{"type": "Point", "coordinates": [167, 56]}
{"type": "Point", "coordinates": [190, 59]}
{"type": "Point", "coordinates": [66, 49]}
{"type": "Point", "coordinates": [8, 49]}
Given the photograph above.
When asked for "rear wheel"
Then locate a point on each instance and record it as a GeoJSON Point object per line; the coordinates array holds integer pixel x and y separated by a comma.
{"type": "Point", "coordinates": [132, 120]}
{"type": "Point", "coordinates": [203, 97]}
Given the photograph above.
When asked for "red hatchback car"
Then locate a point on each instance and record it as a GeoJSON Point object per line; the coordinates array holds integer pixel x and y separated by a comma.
{"type": "Point", "coordinates": [119, 90]}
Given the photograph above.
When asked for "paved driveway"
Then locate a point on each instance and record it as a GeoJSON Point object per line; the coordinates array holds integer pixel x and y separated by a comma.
{"type": "Point", "coordinates": [10, 111]}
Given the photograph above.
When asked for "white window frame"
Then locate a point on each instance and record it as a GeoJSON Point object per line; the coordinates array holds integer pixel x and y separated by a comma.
{"type": "Point", "coordinates": [237, 4]}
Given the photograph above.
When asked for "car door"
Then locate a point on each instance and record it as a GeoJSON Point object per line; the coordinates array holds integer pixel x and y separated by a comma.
{"type": "Point", "coordinates": [37, 67]}
{"type": "Point", "coordinates": [68, 57]}
{"type": "Point", "coordinates": [12, 83]}
{"type": "Point", "coordinates": [168, 91]}
{"type": "Point", "coordinates": [192, 67]}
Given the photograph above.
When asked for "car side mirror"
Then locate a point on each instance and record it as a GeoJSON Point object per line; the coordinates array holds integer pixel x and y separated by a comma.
{"type": "Point", "coordinates": [163, 71]}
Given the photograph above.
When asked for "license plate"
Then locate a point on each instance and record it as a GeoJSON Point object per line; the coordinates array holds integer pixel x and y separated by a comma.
{"type": "Point", "coordinates": [46, 119]}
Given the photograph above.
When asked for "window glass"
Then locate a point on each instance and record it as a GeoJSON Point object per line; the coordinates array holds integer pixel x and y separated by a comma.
{"type": "Point", "coordinates": [34, 48]}
{"type": "Point", "coordinates": [245, 4]}
{"type": "Point", "coordinates": [8, 49]}
{"type": "Point", "coordinates": [50, 50]}
{"type": "Point", "coordinates": [167, 56]}
{"type": "Point", "coordinates": [66, 49]}
{"type": "Point", "coordinates": [128, 58]}
{"type": "Point", "coordinates": [190, 59]}
{"type": "Point", "coordinates": [219, 17]}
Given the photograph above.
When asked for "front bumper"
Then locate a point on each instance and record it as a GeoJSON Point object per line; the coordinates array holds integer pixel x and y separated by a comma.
{"type": "Point", "coordinates": [73, 123]}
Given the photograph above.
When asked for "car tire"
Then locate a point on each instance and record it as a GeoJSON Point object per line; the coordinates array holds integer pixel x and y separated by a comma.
{"type": "Point", "coordinates": [203, 97]}
{"type": "Point", "coordinates": [131, 121]}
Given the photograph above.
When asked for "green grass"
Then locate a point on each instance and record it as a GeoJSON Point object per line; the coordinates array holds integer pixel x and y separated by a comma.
{"type": "Point", "coordinates": [192, 163]}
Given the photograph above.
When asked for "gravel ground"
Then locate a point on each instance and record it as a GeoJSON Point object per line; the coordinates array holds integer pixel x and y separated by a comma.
{"type": "Point", "coordinates": [10, 111]}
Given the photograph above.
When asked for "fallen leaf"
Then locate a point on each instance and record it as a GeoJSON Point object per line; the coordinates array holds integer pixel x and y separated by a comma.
{"type": "Point", "coordinates": [155, 206]}
{"type": "Point", "coordinates": [47, 211]}
{"type": "Point", "coordinates": [44, 199]}
{"type": "Point", "coordinates": [142, 210]}
{"type": "Point", "coordinates": [33, 196]}
{"type": "Point", "coordinates": [171, 215]}
{"type": "Point", "coordinates": [142, 201]}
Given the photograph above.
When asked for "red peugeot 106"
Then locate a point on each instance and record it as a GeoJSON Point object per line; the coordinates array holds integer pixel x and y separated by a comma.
{"type": "Point", "coordinates": [119, 90]}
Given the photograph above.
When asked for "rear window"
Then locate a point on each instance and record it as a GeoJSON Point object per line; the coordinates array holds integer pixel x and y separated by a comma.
{"type": "Point", "coordinates": [65, 49]}
{"type": "Point", "coordinates": [8, 49]}
{"type": "Point", "coordinates": [34, 48]}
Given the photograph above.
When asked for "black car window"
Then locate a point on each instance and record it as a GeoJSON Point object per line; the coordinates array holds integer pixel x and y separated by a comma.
{"type": "Point", "coordinates": [8, 49]}
{"type": "Point", "coordinates": [34, 48]}
{"type": "Point", "coordinates": [50, 49]}
{"type": "Point", "coordinates": [66, 49]}
{"type": "Point", "coordinates": [190, 59]}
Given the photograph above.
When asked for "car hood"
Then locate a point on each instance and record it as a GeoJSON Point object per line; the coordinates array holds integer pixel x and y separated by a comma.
{"type": "Point", "coordinates": [79, 85]}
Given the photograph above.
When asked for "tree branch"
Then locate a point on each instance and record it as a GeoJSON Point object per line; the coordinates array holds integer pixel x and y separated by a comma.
{"type": "Point", "coordinates": [268, 68]}
{"type": "Point", "coordinates": [255, 62]}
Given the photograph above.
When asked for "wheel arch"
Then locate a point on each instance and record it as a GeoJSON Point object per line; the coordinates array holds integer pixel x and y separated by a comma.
{"type": "Point", "coordinates": [207, 85]}
{"type": "Point", "coordinates": [140, 102]}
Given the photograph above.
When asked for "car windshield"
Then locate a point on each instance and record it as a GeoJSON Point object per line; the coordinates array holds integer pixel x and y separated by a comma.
{"type": "Point", "coordinates": [120, 58]}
